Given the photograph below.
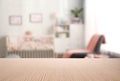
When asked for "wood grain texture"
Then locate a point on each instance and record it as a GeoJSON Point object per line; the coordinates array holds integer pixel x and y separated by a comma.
{"type": "Point", "coordinates": [59, 69]}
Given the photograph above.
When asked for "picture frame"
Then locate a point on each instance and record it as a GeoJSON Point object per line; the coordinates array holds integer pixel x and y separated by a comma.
{"type": "Point", "coordinates": [15, 20]}
{"type": "Point", "coordinates": [36, 18]}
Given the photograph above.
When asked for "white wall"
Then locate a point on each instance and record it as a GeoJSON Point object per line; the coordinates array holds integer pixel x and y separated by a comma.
{"type": "Point", "coordinates": [103, 16]}
{"type": "Point", "coordinates": [67, 5]}
{"type": "Point", "coordinates": [26, 7]}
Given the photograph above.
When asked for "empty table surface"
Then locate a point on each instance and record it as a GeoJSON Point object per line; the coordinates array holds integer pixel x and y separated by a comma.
{"type": "Point", "coordinates": [45, 69]}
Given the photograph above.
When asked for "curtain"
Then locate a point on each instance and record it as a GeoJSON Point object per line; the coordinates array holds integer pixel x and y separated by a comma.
{"type": "Point", "coordinates": [103, 16]}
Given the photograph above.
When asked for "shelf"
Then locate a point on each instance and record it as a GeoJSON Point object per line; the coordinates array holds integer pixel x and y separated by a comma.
{"type": "Point", "coordinates": [72, 37]}
{"type": "Point", "coordinates": [62, 31]}
{"type": "Point", "coordinates": [63, 25]}
{"type": "Point", "coordinates": [62, 35]}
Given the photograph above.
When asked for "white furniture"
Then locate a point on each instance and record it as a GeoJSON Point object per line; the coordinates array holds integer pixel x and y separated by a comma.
{"type": "Point", "coordinates": [74, 41]}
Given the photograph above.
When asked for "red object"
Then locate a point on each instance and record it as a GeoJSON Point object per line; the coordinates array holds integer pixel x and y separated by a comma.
{"type": "Point", "coordinates": [90, 48]}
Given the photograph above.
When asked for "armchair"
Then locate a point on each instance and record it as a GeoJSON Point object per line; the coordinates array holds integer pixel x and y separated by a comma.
{"type": "Point", "coordinates": [93, 47]}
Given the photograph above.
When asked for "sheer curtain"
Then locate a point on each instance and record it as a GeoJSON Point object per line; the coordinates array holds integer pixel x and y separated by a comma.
{"type": "Point", "coordinates": [103, 16]}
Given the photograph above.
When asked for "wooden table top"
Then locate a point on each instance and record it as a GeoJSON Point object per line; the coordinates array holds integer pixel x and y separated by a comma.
{"type": "Point", "coordinates": [59, 69]}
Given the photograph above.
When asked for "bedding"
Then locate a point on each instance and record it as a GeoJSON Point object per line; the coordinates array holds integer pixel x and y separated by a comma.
{"type": "Point", "coordinates": [59, 69]}
{"type": "Point", "coordinates": [29, 43]}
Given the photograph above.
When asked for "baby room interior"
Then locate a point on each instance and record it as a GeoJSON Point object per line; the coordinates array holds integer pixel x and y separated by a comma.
{"type": "Point", "coordinates": [43, 29]}
{"type": "Point", "coordinates": [59, 40]}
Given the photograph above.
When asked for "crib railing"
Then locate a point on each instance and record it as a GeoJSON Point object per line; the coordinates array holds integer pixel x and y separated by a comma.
{"type": "Point", "coordinates": [49, 53]}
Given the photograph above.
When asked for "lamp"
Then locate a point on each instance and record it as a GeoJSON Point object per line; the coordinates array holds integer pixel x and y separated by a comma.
{"type": "Point", "coordinates": [56, 16]}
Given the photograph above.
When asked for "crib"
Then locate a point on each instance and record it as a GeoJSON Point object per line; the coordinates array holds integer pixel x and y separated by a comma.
{"type": "Point", "coordinates": [35, 47]}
